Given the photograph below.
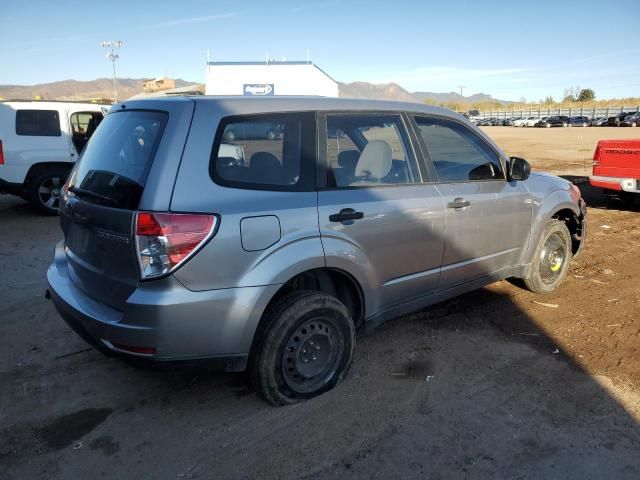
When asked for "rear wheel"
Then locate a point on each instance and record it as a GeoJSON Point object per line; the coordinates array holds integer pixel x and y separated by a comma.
{"type": "Point", "coordinates": [45, 188]}
{"type": "Point", "coordinates": [304, 348]}
{"type": "Point", "coordinates": [551, 259]}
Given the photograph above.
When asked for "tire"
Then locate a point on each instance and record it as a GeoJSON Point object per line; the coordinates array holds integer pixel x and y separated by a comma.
{"type": "Point", "coordinates": [271, 135]}
{"type": "Point", "coordinates": [550, 266]}
{"type": "Point", "coordinates": [281, 367]}
{"type": "Point", "coordinates": [230, 136]}
{"type": "Point", "coordinates": [44, 189]}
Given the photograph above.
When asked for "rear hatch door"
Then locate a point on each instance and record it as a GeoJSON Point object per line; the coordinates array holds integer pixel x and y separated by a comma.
{"type": "Point", "coordinates": [125, 167]}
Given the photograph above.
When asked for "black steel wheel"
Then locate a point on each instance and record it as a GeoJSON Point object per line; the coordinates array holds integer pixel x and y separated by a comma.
{"type": "Point", "coordinates": [303, 348]}
{"type": "Point", "coordinates": [311, 356]}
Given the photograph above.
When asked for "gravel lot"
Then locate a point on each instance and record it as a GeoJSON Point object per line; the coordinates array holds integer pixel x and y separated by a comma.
{"type": "Point", "coordinates": [488, 385]}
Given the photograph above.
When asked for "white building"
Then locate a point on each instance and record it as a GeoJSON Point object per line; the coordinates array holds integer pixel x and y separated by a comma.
{"type": "Point", "coordinates": [269, 78]}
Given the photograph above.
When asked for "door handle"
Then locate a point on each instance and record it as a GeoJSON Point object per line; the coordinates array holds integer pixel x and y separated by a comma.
{"type": "Point", "coordinates": [459, 203]}
{"type": "Point", "coordinates": [345, 215]}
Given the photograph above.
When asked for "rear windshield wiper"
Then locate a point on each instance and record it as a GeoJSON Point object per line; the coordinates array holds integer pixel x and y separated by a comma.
{"type": "Point", "coordinates": [81, 192]}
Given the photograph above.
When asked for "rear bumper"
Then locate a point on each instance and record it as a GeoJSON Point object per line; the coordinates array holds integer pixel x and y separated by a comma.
{"type": "Point", "coordinates": [12, 188]}
{"type": "Point", "coordinates": [631, 185]}
{"type": "Point", "coordinates": [180, 324]}
{"type": "Point", "coordinates": [14, 173]}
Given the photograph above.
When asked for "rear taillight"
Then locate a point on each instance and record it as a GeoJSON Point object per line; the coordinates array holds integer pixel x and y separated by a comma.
{"type": "Point", "coordinates": [1, 154]}
{"type": "Point", "coordinates": [164, 241]}
{"type": "Point", "coordinates": [596, 156]}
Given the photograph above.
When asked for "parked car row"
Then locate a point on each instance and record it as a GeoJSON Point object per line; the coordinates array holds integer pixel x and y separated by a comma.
{"type": "Point", "coordinates": [625, 119]}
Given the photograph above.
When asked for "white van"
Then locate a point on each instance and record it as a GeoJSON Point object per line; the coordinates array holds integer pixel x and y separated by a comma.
{"type": "Point", "coordinates": [39, 143]}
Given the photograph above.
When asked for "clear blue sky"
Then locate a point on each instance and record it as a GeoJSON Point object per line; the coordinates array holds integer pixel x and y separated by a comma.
{"type": "Point", "coordinates": [510, 49]}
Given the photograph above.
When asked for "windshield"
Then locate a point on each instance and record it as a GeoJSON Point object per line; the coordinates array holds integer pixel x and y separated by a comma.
{"type": "Point", "coordinates": [114, 166]}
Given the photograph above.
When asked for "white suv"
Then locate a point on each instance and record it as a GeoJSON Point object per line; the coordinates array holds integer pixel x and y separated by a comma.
{"type": "Point", "coordinates": [39, 142]}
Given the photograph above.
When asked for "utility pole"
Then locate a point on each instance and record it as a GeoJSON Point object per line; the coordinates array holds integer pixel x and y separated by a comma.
{"type": "Point", "coordinates": [113, 46]}
{"type": "Point", "coordinates": [461, 87]}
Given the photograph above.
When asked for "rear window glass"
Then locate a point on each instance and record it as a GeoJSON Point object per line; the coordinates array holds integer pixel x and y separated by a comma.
{"type": "Point", "coordinates": [38, 123]}
{"type": "Point", "coordinates": [263, 152]}
{"type": "Point", "coordinates": [114, 166]}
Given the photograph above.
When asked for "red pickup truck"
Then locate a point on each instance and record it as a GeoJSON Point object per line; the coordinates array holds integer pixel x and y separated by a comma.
{"type": "Point", "coordinates": [616, 167]}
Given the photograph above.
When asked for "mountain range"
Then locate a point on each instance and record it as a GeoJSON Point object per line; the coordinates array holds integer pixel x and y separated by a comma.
{"type": "Point", "coordinates": [78, 90]}
{"type": "Point", "coordinates": [393, 91]}
{"type": "Point", "coordinates": [127, 87]}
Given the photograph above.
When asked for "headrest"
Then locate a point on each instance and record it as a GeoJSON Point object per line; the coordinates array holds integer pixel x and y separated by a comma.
{"type": "Point", "coordinates": [348, 159]}
{"type": "Point", "coordinates": [375, 160]}
{"type": "Point", "coordinates": [264, 160]}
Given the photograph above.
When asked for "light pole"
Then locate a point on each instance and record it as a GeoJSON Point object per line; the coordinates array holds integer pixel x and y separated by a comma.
{"type": "Point", "coordinates": [113, 46]}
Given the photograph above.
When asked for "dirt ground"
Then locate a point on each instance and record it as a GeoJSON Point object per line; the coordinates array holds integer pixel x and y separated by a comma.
{"type": "Point", "coordinates": [561, 151]}
{"type": "Point", "coordinates": [488, 385]}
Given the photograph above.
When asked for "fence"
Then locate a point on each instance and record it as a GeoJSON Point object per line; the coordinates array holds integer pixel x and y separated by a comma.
{"type": "Point", "coordinates": [540, 111]}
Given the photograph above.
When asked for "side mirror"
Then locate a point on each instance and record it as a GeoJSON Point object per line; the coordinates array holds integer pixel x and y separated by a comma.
{"type": "Point", "coordinates": [519, 169]}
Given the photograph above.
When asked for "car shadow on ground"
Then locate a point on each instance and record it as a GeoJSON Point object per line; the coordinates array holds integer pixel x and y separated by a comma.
{"type": "Point", "coordinates": [472, 387]}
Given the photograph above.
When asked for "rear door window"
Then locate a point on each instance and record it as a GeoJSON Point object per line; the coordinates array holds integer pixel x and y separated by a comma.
{"type": "Point", "coordinates": [38, 123]}
{"type": "Point", "coordinates": [265, 152]}
{"type": "Point", "coordinates": [368, 150]}
{"type": "Point", "coordinates": [115, 164]}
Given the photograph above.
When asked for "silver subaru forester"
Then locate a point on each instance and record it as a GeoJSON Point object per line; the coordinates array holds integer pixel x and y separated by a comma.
{"type": "Point", "coordinates": [262, 233]}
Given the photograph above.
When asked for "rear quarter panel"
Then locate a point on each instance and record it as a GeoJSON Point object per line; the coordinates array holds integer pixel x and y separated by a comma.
{"type": "Point", "coordinates": [223, 262]}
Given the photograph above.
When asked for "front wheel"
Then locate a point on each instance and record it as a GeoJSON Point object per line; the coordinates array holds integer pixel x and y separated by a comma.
{"type": "Point", "coordinates": [303, 349]}
{"type": "Point", "coordinates": [551, 259]}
